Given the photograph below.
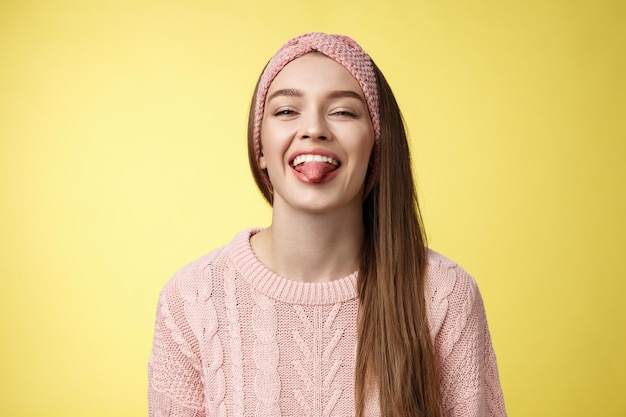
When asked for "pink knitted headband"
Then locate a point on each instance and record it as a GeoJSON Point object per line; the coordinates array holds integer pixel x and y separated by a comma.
{"type": "Point", "coordinates": [341, 49]}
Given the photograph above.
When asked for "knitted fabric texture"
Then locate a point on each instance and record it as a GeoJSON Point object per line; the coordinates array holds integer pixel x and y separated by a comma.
{"type": "Point", "coordinates": [234, 339]}
{"type": "Point", "coordinates": [341, 49]}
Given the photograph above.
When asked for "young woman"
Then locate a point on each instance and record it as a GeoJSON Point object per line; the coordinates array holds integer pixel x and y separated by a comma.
{"type": "Point", "coordinates": [337, 308]}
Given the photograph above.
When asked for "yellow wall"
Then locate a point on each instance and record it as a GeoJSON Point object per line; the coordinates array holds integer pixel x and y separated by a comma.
{"type": "Point", "coordinates": [122, 157]}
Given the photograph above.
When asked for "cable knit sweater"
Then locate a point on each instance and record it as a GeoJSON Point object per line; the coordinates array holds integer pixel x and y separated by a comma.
{"type": "Point", "coordinates": [234, 339]}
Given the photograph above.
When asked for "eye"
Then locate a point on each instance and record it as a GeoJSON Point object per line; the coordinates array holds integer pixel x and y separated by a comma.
{"type": "Point", "coordinates": [284, 112]}
{"type": "Point", "coordinates": [345, 113]}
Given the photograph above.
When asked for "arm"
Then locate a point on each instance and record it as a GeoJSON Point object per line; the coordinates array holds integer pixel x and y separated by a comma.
{"type": "Point", "coordinates": [175, 384]}
{"type": "Point", "coordinates": [469, 374]}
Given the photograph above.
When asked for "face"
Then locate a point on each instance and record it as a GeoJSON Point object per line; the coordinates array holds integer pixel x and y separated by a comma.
{"type": "Point", "coordinates": [316, 136]}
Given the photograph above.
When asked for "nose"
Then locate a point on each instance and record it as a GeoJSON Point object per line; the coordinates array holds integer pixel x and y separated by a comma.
{"type": "Point", "coordinates": [315, 127]}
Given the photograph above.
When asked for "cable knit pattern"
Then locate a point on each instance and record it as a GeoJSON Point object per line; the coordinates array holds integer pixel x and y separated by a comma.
{"type": "Point", "coordinates": [199, 310]}
{"type": "Point", "coordinates": [267, 382]}
{"type": "Point", "coordinates": [234, 339]}
{"type": "Point", "coordinates": [235, 343]}
{"type": "Point", "coordinates": [315, 367]}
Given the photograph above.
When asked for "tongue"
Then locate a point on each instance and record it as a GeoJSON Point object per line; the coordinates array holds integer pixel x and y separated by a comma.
{"type": "Point", "coordinates": [315, 171]}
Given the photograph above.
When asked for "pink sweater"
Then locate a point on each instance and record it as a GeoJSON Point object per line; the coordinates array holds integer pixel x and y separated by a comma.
{"type": "Point", "coordinates": [234, 339]}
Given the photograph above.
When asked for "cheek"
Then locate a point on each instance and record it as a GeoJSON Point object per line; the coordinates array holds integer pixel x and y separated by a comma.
{"type": "Point", "coordinates": [366, 147]}
{"type": "Point", "coordinates": [274, 143]}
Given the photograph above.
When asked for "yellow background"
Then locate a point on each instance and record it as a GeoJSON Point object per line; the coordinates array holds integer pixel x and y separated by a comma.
{"type": "Point", "coordinates": [122, 157]}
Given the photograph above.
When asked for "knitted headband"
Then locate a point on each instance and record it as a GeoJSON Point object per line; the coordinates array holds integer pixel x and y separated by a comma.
{"type": "Point", "coordinates": [341, 49]}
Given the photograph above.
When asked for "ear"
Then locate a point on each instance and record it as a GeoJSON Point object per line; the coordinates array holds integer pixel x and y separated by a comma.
{"type": "Point", "coordinates": [262, 163]}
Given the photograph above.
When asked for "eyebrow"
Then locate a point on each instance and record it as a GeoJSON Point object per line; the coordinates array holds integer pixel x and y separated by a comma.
{"type": "Point", "coordinates": [289, 92]}
{"type": "Point", "coordinates": [348, 94]}
{"type": "Point", "coordinates": [292, 92]}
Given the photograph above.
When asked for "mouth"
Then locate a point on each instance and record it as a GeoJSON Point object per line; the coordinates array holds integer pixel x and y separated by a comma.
{"type": "Point", "coordinates": [306, 158]}
{"type": "Point", "coordinates": [314, 167]}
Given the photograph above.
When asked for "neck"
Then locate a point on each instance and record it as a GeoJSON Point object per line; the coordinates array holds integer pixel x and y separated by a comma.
{"type": "Point", "coordinates": [311, 247]}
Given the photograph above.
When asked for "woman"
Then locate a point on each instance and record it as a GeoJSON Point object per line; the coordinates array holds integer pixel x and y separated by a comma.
{"type": "Point", "coordinates": [337, 308]}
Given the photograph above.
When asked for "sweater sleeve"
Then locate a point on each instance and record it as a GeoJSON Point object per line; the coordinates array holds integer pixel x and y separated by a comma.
{"type": "Point", "coordinates": [175, 387]}
{"type": "Point", "coordinates": [469, 373]}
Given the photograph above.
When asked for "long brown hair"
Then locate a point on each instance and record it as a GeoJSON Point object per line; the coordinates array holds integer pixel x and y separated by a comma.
{"type": "Point", "coordinates": [398, 354]}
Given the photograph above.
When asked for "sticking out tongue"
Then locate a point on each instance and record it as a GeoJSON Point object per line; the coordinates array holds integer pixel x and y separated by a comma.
{"type": "Point", "coordinates": [315, 171]}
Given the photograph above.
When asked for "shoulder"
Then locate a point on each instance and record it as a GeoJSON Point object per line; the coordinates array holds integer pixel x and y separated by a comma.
{"type": "Point", "coordinates": [195, 274]}
{"type": "Point", "coordinates": [450, 291]}
{"type": "Point", "coordinates": [199, 276]}
{"type": "Point", "coordinates": [445, 278]}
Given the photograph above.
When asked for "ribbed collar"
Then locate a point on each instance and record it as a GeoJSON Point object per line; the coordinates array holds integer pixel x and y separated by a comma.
{"type": "Point", "coordinates": [282, 289]}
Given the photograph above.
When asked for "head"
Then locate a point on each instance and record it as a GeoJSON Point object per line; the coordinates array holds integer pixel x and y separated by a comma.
{"type": "Point", "coordinates": [344, 51]}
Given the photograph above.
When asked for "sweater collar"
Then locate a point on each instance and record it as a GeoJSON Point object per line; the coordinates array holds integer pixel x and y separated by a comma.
{"type": "Point", "coordinates": [282, 289]}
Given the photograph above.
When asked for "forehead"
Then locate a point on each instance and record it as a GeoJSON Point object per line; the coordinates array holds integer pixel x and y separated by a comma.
{"type": "Point", "coordinates": [315, 71]}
